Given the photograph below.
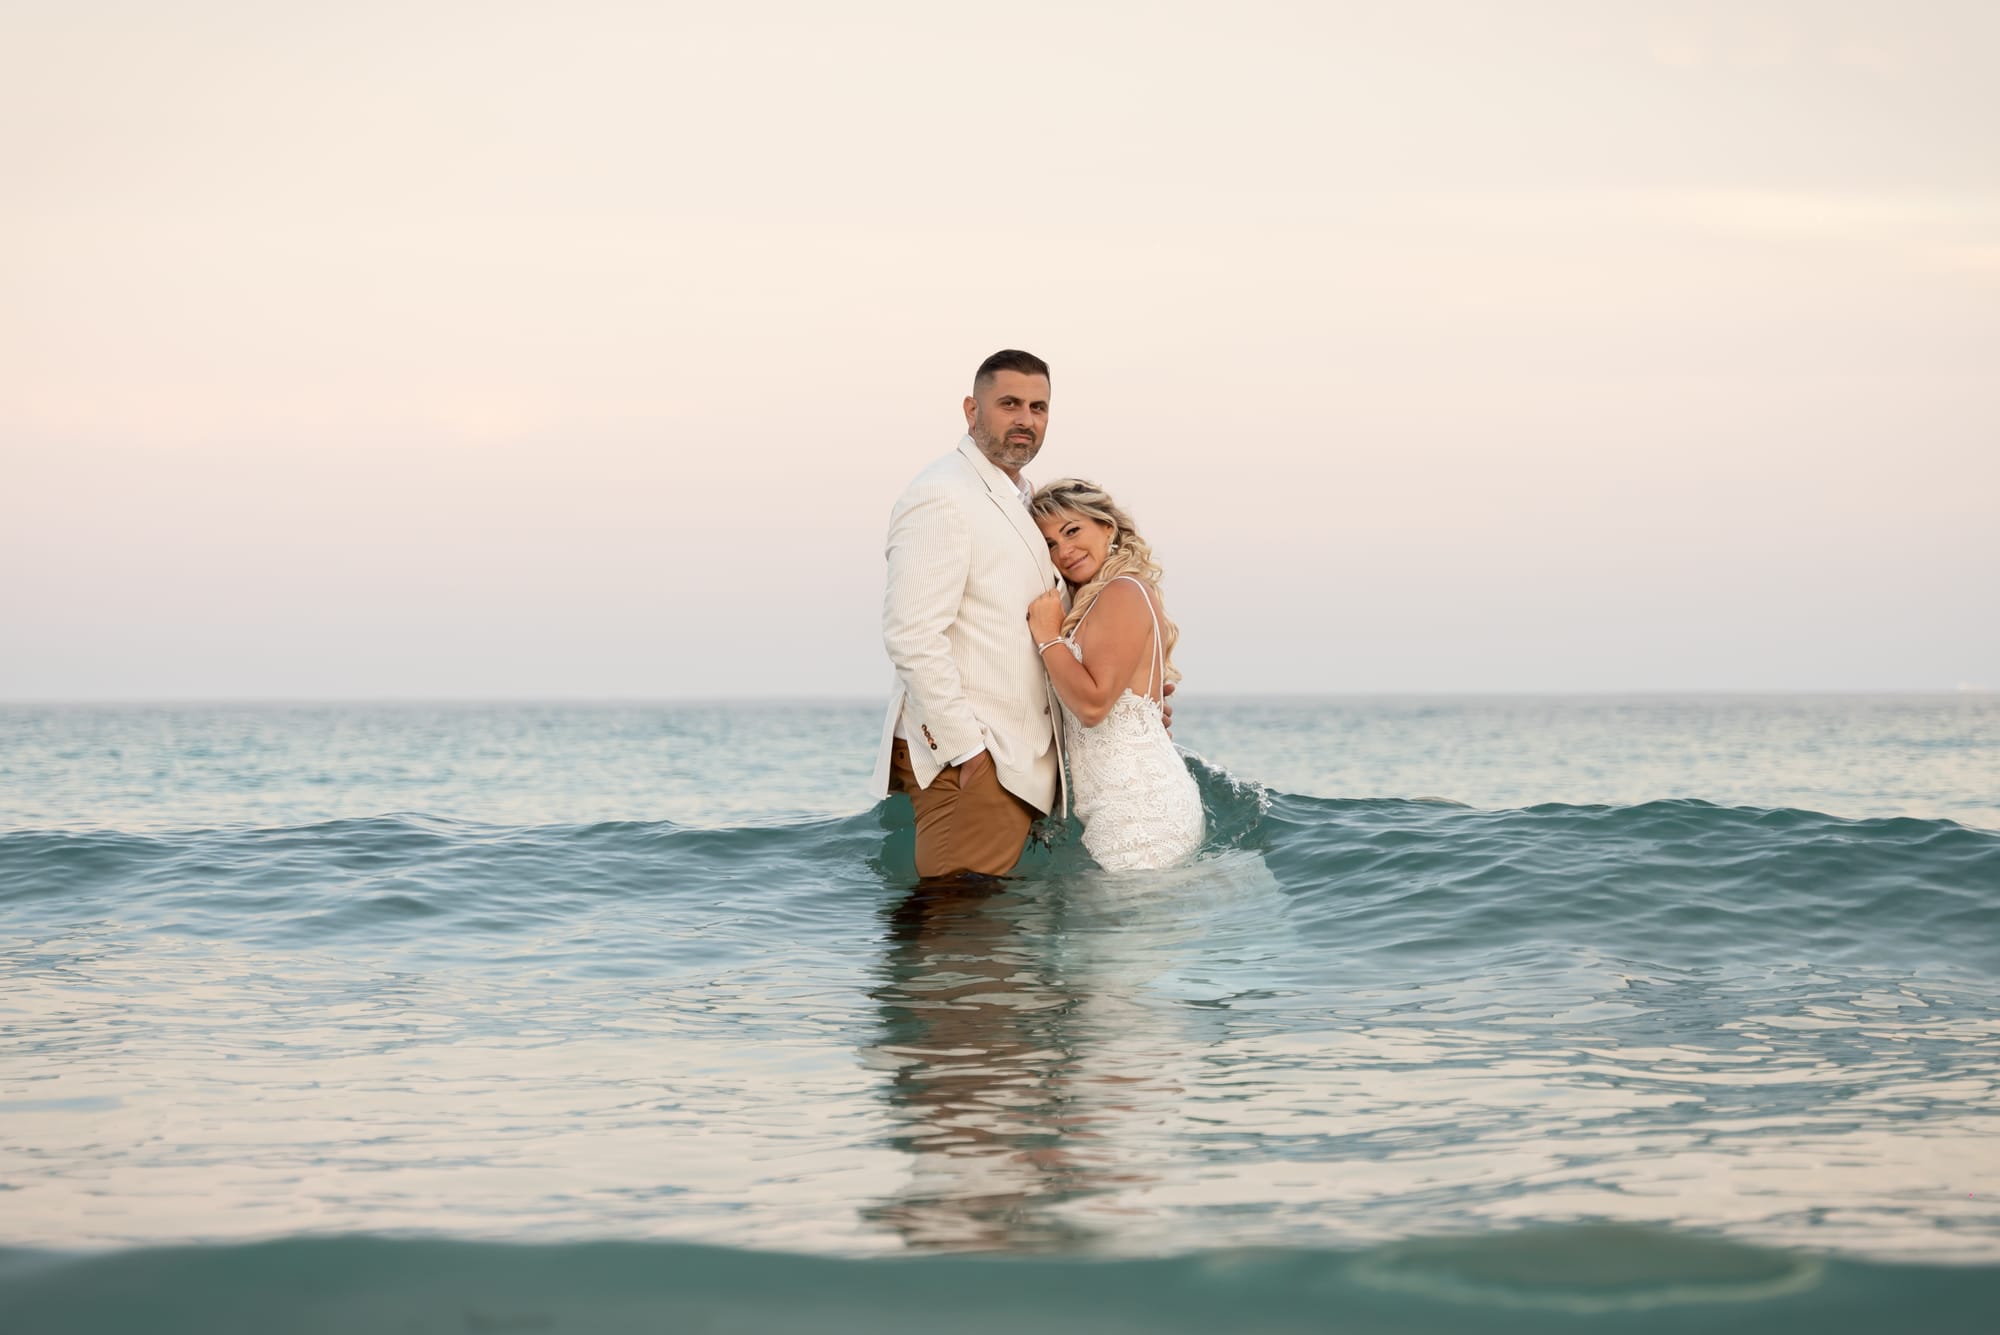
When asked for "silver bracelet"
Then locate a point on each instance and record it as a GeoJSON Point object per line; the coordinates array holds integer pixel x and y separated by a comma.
{"type": "Point", "coordinates": [1043, 647]}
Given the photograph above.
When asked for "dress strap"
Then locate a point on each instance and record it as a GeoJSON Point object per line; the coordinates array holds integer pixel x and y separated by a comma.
{"type": "Point", "coordinates": [1159, 672]}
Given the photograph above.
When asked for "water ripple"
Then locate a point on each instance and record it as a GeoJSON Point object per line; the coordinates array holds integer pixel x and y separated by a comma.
{"type": "Point", "coordinates": [1349, 1022]}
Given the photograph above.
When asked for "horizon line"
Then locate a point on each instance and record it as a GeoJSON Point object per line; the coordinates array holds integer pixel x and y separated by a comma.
{"type": "Point", "coordinates": [877, 700]}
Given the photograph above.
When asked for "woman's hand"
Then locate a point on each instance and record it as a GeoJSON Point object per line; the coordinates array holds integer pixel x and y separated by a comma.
{"type": "Point", "coordinates": [1045, 617]}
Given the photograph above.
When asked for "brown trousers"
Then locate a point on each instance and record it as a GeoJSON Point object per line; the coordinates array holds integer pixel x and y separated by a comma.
{"type": "Point", "coordinates": [976, 827]}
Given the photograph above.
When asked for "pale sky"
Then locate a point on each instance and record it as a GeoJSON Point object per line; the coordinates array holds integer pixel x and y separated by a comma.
{"type": "Point", "coordinates": [486, 350]}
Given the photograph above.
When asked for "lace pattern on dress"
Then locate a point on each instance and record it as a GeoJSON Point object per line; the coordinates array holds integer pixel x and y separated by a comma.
{"type": "Point", "coordinates": [1138, 803]}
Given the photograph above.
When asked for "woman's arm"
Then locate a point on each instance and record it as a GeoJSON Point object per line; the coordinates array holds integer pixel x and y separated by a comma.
{"type": "Point", "coordinates": [1120, 636]}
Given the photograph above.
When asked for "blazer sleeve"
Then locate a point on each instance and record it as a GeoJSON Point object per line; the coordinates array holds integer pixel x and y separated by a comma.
{"type": "Point", "coordinates": [930, 557]}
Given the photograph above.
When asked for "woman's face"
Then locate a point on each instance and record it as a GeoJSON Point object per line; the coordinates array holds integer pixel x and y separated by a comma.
{"type": "Point", "coordinates": [1077, 544]}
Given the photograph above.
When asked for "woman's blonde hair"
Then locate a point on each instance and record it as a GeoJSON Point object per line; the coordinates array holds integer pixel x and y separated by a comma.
{"type": "Point", "coordinates": [1129, 555]}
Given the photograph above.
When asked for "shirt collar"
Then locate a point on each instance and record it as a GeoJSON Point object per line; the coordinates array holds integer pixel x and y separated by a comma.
{"type": "Point", "coordinates": [971, 451]}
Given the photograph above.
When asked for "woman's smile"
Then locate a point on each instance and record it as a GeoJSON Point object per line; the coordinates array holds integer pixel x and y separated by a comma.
{"type": "Point", "coordinates": [1078, 544]}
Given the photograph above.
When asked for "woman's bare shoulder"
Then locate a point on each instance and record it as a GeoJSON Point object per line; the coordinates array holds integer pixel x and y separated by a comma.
{"type": "Point", "coordinates": [1132, 594]}
{"type": "Point", "coordinates": [1123, 605]}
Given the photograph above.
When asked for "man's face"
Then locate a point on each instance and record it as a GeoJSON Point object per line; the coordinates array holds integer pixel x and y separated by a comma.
{"type": "Point", "coordinates": [1006, 418]}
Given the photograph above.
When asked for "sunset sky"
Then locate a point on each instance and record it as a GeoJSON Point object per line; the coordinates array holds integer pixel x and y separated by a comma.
{"type": "Point", "coordinates": [508, 350]}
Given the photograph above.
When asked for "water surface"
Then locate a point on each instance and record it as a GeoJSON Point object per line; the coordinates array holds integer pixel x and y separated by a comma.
{"type": "Point", "coordinates": [1709, 969]}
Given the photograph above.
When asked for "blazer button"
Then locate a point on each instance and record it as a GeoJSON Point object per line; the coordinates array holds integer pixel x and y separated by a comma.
{"type": "Point", "coordinates": [926, 728]}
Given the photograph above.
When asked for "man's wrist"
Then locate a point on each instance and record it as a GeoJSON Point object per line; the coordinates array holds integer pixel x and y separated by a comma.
{"type": "Point", "coordinates": [970, 756]}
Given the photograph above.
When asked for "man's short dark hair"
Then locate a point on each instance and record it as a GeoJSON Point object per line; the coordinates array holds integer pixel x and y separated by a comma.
{"type": "Point", "coordinates": [1008, 359]}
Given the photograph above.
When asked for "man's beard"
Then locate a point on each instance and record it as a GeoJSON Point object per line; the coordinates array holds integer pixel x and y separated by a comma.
{"type": "Point", "coordinates": [1007, 453]}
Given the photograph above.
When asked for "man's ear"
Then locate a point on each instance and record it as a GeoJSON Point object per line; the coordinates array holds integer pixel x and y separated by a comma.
{"type": "Point", "coordinates": [971, 406]}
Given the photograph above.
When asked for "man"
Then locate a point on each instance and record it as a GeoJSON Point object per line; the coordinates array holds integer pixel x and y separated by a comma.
{"type": "Point", "coordinates": [972, 731]}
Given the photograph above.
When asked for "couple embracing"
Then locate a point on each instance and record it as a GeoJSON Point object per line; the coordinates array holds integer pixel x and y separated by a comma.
{"type": "Point", "coordinates": [1026, 628]}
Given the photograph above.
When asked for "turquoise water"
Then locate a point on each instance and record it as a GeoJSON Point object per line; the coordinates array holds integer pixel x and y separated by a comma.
{"type": "Point", "coordinates": [1678, 1009]}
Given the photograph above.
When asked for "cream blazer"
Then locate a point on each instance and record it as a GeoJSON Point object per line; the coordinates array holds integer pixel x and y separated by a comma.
{"type": "Point", "coordinates": [965, 560]}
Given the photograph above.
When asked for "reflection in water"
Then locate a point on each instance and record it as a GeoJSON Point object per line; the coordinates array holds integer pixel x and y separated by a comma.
{"type": "Point", "coordinates": [982, 1035]}
{"type": "Point", "coordinates": [1760, 1024]}
{"type": "Point", "coordinates": [1128, 1064]}
{"type": "Point", "coordinates": [1037, 1072]}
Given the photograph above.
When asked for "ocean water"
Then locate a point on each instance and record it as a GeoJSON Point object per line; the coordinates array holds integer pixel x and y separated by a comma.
{"type": "Point", "coordinates": [1502, 1014]}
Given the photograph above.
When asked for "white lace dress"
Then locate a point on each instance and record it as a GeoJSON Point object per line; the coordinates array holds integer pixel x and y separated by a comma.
{"type": "Point", "coordinates": [1138, 803]}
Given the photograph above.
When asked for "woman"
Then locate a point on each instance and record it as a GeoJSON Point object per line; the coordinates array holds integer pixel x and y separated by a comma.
{"type": "Point", "coordinates": [1110, 659]}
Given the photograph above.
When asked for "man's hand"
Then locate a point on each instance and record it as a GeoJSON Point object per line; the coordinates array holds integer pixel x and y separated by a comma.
{"type": "Point", "coordinates": [973, 768]}
{"type": "Point", "coordinates": [1166, 706]}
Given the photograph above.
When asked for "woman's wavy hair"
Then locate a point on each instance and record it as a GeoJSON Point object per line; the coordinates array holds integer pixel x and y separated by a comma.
{"type": "Point", "coordinates": [1130, 554]}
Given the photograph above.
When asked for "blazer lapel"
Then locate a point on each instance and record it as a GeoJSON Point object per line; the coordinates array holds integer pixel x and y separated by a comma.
{"type": "Point", "coordinates": [1007, 497]}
